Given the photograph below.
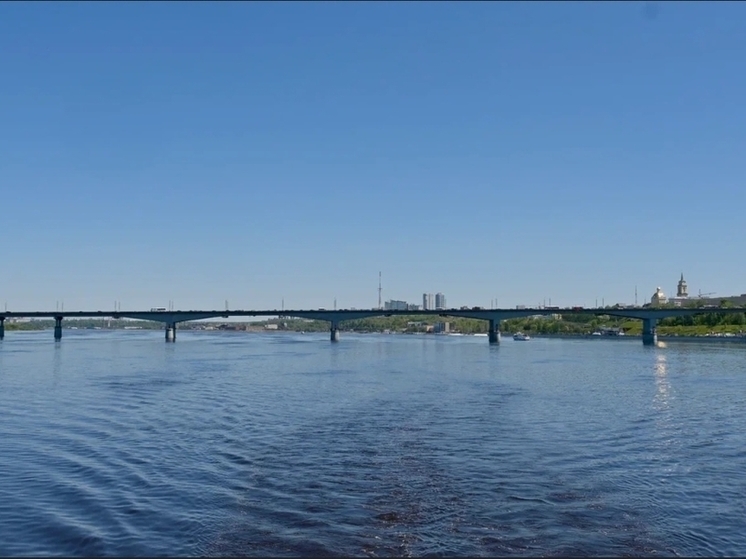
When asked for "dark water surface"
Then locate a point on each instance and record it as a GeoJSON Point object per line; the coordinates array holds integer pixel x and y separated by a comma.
{"type": "Point", "coordinates": [116, 443]}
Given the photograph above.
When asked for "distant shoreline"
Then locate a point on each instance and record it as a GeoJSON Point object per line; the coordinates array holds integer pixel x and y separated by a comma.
{"type": "Point", "coordinates": [661, 338]}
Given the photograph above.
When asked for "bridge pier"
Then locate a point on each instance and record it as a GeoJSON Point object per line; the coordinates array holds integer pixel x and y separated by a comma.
{"type": "Point", "coordinates": [2, 327]}
{"type": "Point", "coordinates": [335, 331]}
{"type": "Point", "coordinates": [57, 328]}
{"type": "Point", "coordinates": [170, 331]}
{"type": "Point", "coordinates": [494, 332]}
{"type": "Point", "coordinates": [649, 334]}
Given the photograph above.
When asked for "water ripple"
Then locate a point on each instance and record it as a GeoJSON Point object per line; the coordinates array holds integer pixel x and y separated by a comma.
{"type": "Point", "coordinates": [282, 445]}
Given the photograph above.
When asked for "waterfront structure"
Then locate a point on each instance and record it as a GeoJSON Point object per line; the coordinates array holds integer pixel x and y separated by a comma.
{"type": "Point", "coordinates": [440, 301]}
{"type": "Point", "coordinates": [442, 327]}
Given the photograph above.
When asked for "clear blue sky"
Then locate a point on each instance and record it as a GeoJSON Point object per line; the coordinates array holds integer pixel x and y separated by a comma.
{"type": "Point", "coordinates": [199, 152]}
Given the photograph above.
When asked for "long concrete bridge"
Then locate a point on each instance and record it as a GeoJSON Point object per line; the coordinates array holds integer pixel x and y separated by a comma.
{"type": "Point", "coordinates": [649, 316]}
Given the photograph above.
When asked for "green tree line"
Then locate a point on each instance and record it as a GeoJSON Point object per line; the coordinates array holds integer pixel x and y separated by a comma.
{"type": "Point", "coordinates": [572, 324]}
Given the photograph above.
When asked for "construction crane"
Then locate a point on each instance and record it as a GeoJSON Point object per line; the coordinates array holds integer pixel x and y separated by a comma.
{"type": "Point", "coordinates": [701, 295]}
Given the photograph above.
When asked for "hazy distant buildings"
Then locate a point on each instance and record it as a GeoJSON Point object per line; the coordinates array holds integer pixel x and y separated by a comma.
{"type": "Point", "coordinates": [659, 298]}
{"type": "Point", "coordinates": [430, 302]}
{"type": "Point", "coordinates": [701, 299]}
{"type": "Point", "coordinates": [682, 296]}
{"type": "Point", "coordinates": [395, 305]}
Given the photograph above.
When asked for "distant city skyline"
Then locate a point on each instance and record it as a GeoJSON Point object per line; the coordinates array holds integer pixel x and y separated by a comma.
{"type": "Point", "coordinates": [282, 154]}
{"type": "Point", "coordinates": [429, 302]}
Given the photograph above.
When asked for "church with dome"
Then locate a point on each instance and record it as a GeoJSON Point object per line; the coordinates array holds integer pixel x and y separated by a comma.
{"type": "Point", "coordinates": [659, 298]}
{"type": "Point", "coordinates": [682, 297]}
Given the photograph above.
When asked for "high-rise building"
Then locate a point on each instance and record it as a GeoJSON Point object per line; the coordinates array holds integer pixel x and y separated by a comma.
{"type": "Point", "coordinates": [395, 305]}
{"type": "Point", "coordinates": [427, 302]}
{"type": "Point", "coordinates": [440, 301]}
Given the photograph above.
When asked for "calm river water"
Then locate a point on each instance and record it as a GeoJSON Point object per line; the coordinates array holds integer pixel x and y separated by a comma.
{"type": "Point", "coordinates": [116, 443]}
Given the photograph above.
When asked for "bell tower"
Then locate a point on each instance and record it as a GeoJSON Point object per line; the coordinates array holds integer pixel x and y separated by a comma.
{"type": "Point", "coordinates": [681, 287]}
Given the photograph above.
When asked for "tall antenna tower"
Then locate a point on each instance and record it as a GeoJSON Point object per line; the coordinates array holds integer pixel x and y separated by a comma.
{"type": "Point", "coordinates": [635, 295]}
{"type": "Point", "coordinates": [379, 291]}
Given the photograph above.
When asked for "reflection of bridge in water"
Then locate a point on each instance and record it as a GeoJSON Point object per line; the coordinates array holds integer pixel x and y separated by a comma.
{"type": "Point", "coordinates": [649, 317]}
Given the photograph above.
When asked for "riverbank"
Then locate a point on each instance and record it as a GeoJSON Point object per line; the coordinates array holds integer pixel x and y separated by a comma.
{"type": "Point", "coordinates": [661, 338]}
{"type": "Point", "coordinates": [667, 338]}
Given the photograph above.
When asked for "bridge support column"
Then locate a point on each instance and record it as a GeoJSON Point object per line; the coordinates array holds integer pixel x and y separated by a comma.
{"type": "Point", "coordinates": [494, 332]}
{"type": "Point", "coordinates": [57, 328]}
{"type": "Point", "coordinates": [2, 328]}
{"type": "Point", "coordinates": [335, 332]}
{"type": "Point", "coordinates": [649, 334]}
{"type": "Point", "coordinates": [170, 331]}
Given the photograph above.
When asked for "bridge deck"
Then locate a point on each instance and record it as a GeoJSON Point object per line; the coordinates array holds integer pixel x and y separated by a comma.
{"type": "Point", "coordinates": [342, 315]}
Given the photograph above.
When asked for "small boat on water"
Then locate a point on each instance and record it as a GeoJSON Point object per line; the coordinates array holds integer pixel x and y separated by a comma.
{"type": "Point", "coordinates": [521, 337]}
